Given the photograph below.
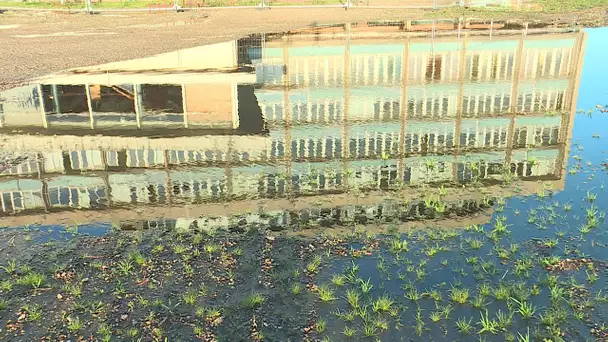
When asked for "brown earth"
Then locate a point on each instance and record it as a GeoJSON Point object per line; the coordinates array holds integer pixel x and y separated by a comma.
{"type": "Point", "coordinates": [37, 43]}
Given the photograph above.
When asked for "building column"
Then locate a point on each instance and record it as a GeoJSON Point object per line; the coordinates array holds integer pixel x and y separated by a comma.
{"type": "Point", "coordinates": [42, 109]}
{"type": "Point", "coordinates": [517, 72]}
{"type": "Point", "coordinates": [40, 164]}
{"type": "Point", "coordinates": [137, 96]}
{"type": "Point", "coordinates": [462, 67]}
{"type": "Point", "coordinates": [228, 169]}
{"type": "Point", "coordinates": [55, 92]}
{"type": "Point", "coordinates": [106, 181]}
{"type": "Point", "coordinates": [184, 105]}
{"type": "Point", "coordinates": [287, 120]}
{"type": "Point", "coordinates": [44, 191]}
{"type": "Point", "coordinates": [345, 153]}
{"type": "Point", "coordinates": [168, 183]}
{"type": "Point", "coordinates": [510, 142]}
{"type": "Point", "coordinates": [565, 134]}
{"type": "Point", "coordinates": [87, 91]}
{"type": "Point", "coordinates": [403, 108]}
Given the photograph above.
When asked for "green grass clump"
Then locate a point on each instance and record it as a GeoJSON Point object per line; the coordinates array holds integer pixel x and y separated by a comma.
{"type": "Point", "coordinates": [33, 280]}
{"type": "Point", "coordinates": [313, 265]}
{"type": "Point", "coordinates": [459, 295]}
{"type": "Point", "coordinates": [382, 304]}
{"type": "Point", "coordinates": [326, 294]}
{"type": "Point", "coordinates": [353, 297]}
{"type": "Point", "coordinates": [253, 300]}
{"type": "Point", "coordinates": [338, 280]}
{"type": "Point", "coordinates": [464, 326]}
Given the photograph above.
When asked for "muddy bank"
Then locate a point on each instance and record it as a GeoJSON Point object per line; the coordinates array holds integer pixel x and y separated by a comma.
{"type": "Point", "coordinates": [154, 285]}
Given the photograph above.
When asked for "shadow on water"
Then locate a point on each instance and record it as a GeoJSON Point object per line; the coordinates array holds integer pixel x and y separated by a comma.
{"type": "Point", "coordinates": [421, 178]}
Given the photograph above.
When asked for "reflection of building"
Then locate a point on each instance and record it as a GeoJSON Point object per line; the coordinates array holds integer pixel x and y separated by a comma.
{"type": "Point", "coordinates": [355, 105]}
{"type": "Point", "coordinates": [178, 95]}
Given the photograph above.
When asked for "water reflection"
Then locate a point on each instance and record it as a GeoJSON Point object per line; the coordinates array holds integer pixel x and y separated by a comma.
{"type": "Point", "coordinates": [322, 110]}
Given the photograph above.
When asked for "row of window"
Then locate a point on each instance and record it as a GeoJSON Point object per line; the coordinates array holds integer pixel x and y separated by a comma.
{"type": "Point", "coordinates": [266, 185]}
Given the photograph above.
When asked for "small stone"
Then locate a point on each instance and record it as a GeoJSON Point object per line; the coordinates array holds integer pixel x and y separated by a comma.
{"type": "Point", "coordinates": [59, 296]}
{"type": "Point", "coordinates": [123, 317]}
{"type": "Point", "coordinates": [311, 247]}
{"type": "Point", "coordinates": [85, 280]}
{"type": "Point", "coordinates": [270, 238]}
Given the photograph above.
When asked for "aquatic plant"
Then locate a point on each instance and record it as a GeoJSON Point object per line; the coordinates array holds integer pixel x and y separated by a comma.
{"type": "Point", "coordinates": [349, 332]}
{"type": "Point", "coordinates": [382, 304]}
{"type": "Point", "coordinates": [488, 325]}
{"type": "Point", "coordinates": [459, 295]}
{"type": "Point", "coordinates": [320, 325]}
{"type": "Point", "coordinates": [338, 280]}
{"type": "Point", "coordinates": [436, 316]}
{"type": "Point", "coordinates": [464, 326]}
{"type": "Point", "coordinates": [525, 310]}
{"type": "Point", "coordinates": [352, 297]}
{"type": "Point", "coordinates": [398, 246]}
{"type": "Point", "coordinates": [326, 294]}
{"type": "Point", "coordinates": [366, 286]}
{"type": "Point", "coordinates": [313, 265]}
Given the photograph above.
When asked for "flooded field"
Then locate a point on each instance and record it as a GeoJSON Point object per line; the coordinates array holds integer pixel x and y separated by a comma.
{"type": "Point", "coordinates": [377, 181]}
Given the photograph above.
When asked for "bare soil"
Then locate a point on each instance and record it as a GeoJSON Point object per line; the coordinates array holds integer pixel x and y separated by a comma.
{"type": "Point", "coordinates": [37, 43]}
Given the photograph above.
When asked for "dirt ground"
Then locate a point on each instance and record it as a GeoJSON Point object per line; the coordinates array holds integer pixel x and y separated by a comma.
{"type": "Point", "coordinates": [37, 43]}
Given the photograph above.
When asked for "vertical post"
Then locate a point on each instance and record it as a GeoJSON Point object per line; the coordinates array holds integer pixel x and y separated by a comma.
{"type": "Point", "coordinates": [459, 27]}
{"type": "Point", "coordinates": [176, 5]}
{"type": "Point", "coordinates": [42, 110]}
{"type": "Point", "coordinates": [88, 6]}
{"type": "Point", "coordinates": [491, 28]}
{"type": "Point", "coordinates": [87, 91]}
{"type": "Point", "coordinates": [137, 94]}
{"type": "Point", "coordinates": [236, 123]}
{"type": "Point", "coordinates": [55, 92]}
{"type": "Point", "coordinates": [434, 4]}
{"type": "Point", "coordinates": [184, 107]}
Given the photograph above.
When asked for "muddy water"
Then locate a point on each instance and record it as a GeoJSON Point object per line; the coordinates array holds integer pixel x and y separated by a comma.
{"type": "Point", "coordinates": [381, 125]}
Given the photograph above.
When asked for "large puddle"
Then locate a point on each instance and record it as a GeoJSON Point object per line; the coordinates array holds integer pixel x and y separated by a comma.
{"type": "Point", "coordinates": [480, 144]}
